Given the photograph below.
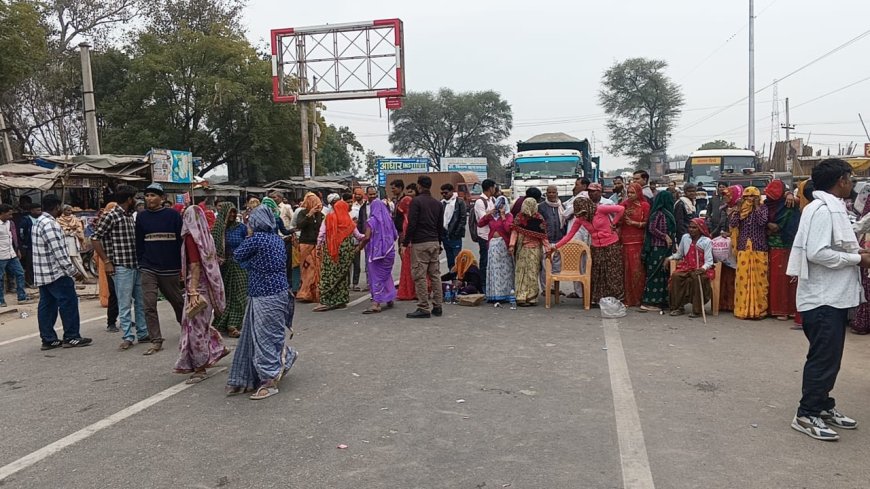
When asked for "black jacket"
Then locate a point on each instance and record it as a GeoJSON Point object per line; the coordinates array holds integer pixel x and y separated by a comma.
{"type": "Point", "coordinates": [456, 226]}
{"type": "Point", "coordinates": [425, 219]}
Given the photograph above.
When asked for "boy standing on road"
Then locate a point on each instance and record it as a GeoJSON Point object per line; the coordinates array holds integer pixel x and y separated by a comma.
{"type": "Point", "coordinates": [9, 256]}
{"type": "Point", "coordinates": [158, 250]}
{"type": "Point", "coordinates": [114, 242]}
{"type": "Point", "coordinates": [825, 258]}
{"type": "Point", "coordinates": [55, 274]}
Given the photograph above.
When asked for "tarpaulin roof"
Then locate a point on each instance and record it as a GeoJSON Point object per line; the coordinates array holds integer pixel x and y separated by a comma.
{"type": "Point", "coordinates": [38, 183]}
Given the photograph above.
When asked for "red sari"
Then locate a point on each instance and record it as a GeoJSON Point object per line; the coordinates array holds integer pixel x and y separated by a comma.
{"type": "Point", "coordinates": [406, 291]}
{"type": "Point", "coordinates": [632, 238]}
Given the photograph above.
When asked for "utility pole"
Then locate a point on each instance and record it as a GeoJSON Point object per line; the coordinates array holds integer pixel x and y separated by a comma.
{"type": "Point", "coordinates": [788, 125]}
{"type": "Point", "coordinates": [90, 105]}
{"type": "Point", "coordinates": [7, 148]}
{"type": "Point", "coordinates": [315, 129]}
{"type": "Point", "coordinates": [303, 107]}
{"type": "Point", "coordinates": [751, 75]}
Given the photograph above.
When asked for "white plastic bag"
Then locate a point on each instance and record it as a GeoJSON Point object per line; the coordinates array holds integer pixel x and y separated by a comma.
{"type": "Point", "coordinates": [722, 251]}
{"type": "Point", "coordinates": [611, 307]}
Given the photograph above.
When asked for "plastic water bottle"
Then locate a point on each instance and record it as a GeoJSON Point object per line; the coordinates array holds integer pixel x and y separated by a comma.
{"type": "Point", "coordinates": [448, 295]}
{"type": "Point", "coordinates": [513, 300]}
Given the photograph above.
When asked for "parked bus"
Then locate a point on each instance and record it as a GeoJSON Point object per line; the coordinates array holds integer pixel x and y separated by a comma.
{"type": "Point", "coordinates": [706, 167]}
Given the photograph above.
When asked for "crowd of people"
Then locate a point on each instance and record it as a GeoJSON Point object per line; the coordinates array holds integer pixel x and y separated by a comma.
{"type": "Point", "coordinates": [234, 272]}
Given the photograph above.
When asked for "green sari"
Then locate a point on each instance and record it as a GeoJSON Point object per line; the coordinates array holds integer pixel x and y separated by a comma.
{"type": "Point", "coordinates": [335, 275]}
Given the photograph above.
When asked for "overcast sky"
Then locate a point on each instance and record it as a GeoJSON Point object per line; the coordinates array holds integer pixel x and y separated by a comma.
{"type": "Point", "coordinates": [546, 58]}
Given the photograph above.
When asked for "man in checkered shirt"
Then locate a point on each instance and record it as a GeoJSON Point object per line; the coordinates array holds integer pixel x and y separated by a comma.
{"type": "Point", "coordinates": [114, 242]}
{"type": "Point", "coordinates": [54, 274]}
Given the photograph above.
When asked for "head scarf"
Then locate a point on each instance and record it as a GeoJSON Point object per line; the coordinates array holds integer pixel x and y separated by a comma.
{"type": "Point", "coordinates": [749, 203]}
{"type": "Point", "coordinates": [218, 232]}
{"type": "Point", "coordinates": [339, 226]}
{"type": "Point", "coordinates": [332, 199]}
{"type": "Point", "coordinates": [500, 203]}
{"type": "Point", "coordinates": [702, 225]}
{"type": "Point", "coordinates": [662, 203]}
{"type": "Point", "coordinates": [271, 205]}
{"type": "Point", "coordinates": [775, 190]}
{"type": "Point", "coordinates": [464, 261]}
{"type": "Point", "coordinates": [179, 208]}
{"type": "Point", "coordinates": [359, 192]}
{"type": "Point", "coordinates": [583, 205]}
{"type": "Point", "coordinates": [196, 225]}
{"type": "Point", "coordinates": [595, 186]}
{"type": "Point", "coordinates": [734, 192]}
{"type": "Point", "coordinates": [262, 220]}
{"type": "Point", "coordinates": [70, 224]}
{"type": "Point", "coordinates": [801, 198]}
{"type": "Point", "coordinates": [256, 203]}
{"type": "Point", "coordinates": [310, 201]}
{"type": "Point", "coordinates": [210, 218]}
{"type": "Point", "coordinates": [383, 231]}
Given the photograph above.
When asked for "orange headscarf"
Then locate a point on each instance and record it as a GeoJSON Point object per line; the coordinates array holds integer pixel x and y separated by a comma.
{"type": "Point", "coordinates": [339, 226]}
{"type": "Point", "coordinates": [632, 205]}
{"type": "Point", "coordinates": [311, 201]}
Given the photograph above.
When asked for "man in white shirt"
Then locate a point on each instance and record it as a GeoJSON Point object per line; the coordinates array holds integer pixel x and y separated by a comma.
{"type": "Point", "coordinates": [825, 258]}
{"type": "Point", "coordinates": [9, 257]}
{"type": "Point", "coordinates": [483, 205]}
{"type": "Point", "coordinates": [641, 177]}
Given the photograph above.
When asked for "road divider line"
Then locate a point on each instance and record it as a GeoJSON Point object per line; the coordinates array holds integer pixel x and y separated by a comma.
{"type": "Point", "coordinates": [34, 335]}
{"type": "Point", "coordinates": [636, 473]}
{"type": "Point", "coordinates": [368, 297]}
{"type": "Point", "coordinates": [88, 431]}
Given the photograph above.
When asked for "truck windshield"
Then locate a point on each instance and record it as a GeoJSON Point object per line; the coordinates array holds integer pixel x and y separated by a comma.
{"type": "Point", "coordinates": [476, 189]}
{"type": "Point", "coordinates": [546, 166]}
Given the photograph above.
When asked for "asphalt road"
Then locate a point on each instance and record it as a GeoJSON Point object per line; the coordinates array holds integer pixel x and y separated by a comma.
{"type": "Point", "coordinates": [482, 397]}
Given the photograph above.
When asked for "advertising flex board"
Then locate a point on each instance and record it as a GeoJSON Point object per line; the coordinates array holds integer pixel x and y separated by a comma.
{"type": "Point", "coordinates": [400, 165]}
{"type": "Point", "coordinates": [476, 165]}
{"type": "Point", "coordinates": [172, 166]}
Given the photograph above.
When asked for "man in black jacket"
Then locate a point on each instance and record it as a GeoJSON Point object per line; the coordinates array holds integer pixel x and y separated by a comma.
{"type": "Point", "coordinates": [425, 221]}
{"type": "Point", "coordinates": [455, 216]}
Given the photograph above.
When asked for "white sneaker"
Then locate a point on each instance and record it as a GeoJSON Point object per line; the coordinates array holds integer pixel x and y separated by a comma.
{"type": "Point", "coordinates": [838, 419]}
{"type": "Point", "coordinates": [814, 427]}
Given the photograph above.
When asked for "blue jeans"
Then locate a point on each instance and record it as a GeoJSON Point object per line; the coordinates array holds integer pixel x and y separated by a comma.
{"type": "Point", "coordinates": [14, 267]}
{"type": "Point", "coordinates": [452, 247]}
{"type": "Point", "coordinates": [128, 288]}
{"type": "Point", "coordinates": [58, 295]}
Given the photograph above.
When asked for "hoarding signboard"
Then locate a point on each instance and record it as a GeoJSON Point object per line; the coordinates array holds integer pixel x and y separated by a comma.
{"type": "Point", "coordinates": [172, 166]}
{"type": "Point", "coordinates": [476, 165]}
{"type": "Point", "coordinates": [400, 165]}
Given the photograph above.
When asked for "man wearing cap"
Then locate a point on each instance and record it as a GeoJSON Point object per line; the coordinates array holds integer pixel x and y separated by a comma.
{"type": "Point", "coordinates": [158, 248]}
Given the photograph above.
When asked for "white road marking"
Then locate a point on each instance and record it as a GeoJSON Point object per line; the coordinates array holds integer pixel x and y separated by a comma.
{"type": "Point", "coordinates": [49, 450]}
{"type": "Point", "coordinates": [34, 335]}
{"type": "Point", "coordinates": [368, 297]}
{"type": "Point", "coordinates": [636, 473]}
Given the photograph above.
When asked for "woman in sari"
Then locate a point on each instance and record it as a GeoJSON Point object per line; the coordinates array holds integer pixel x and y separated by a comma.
{"type": "Point", "coordinates": [634, 225]}
{"type": "Point", "coordinates": [729, 271]}
{"type": "Point", "coordinates": [252, 204]}
{"type": "Point", "coordinates": [861, 324]}
{"type": "Point", "coordinates": [657, 247]}
{"type": "Point", "coordinates": [607, 268]}
{"type": "Point", "coordinates": [380, 245]}
{"type": "Point", "coordinates": [228, 235]}
{"type": "Point", "coordinates": [308, 222]}
{"type": "Point", "coordinates": [500, 269]}
{"type": "Point", "coordinates": [529, 239]}
{"type": "Point", "coordinates": [337, 249]}
{"type": "Point", "coordinates": [406, 291]}
{"type": "Point", "coordinates": [200, 345]}
{"type": "Point", "coordinates": [783, 219]}
{"type": "Point", "coordinates": [262, 356]}
{"type": "Point", "coordinates": [751, 286]}
{"type": "Point", "coordinates": [464, 277]}
{"type": "Point", "coordinates": [74, 234]}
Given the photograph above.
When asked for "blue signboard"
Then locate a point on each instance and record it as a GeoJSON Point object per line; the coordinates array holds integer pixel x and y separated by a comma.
{"type": "Point", "coordinates": [400, 165]}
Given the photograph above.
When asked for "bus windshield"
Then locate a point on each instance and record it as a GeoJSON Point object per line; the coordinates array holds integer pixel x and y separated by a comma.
{"type": "Point", "coordinates": [709, 170]}
{"type": "Point", "coordinates": [546, 166]}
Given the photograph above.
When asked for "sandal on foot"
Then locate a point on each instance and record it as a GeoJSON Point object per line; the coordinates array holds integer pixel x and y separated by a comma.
{"type": "Point", "coordinates": [372, 310]}
{"type": "Point", "coordinates": [196, 378]}
{"type": "Point", "coordinates": [154, 348]}
{"type": "Point", "coordinates": [126, 345]}
{"type": "Point", "coordinates": [233, 333]}
{"type": "Point", "coordinates": [322, 308]}
{"type": "Point", "coordinates": [263, 393]}
{"type": "Point", "coordinates": [677, 312]}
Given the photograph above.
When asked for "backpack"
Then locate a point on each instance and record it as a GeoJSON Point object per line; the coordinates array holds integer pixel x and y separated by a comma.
{"type": "Point", "coordinates": [472, 221]}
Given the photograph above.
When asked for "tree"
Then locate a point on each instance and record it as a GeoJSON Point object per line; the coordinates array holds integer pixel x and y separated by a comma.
{"type": "Point", "coordinates": [718, 144]}
{"type": "Point", "coordinates": [643, 105]}
{"type": "Point", "coordinates": [23, 44]}
{"type": "Point", "coordinates": [339, 150]}
{"type": "Point", "coordinates": [450, 124]}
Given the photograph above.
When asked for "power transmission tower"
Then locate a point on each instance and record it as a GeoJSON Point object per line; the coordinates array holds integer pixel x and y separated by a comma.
{"type": "Point", "coordinates": [774, 115]}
